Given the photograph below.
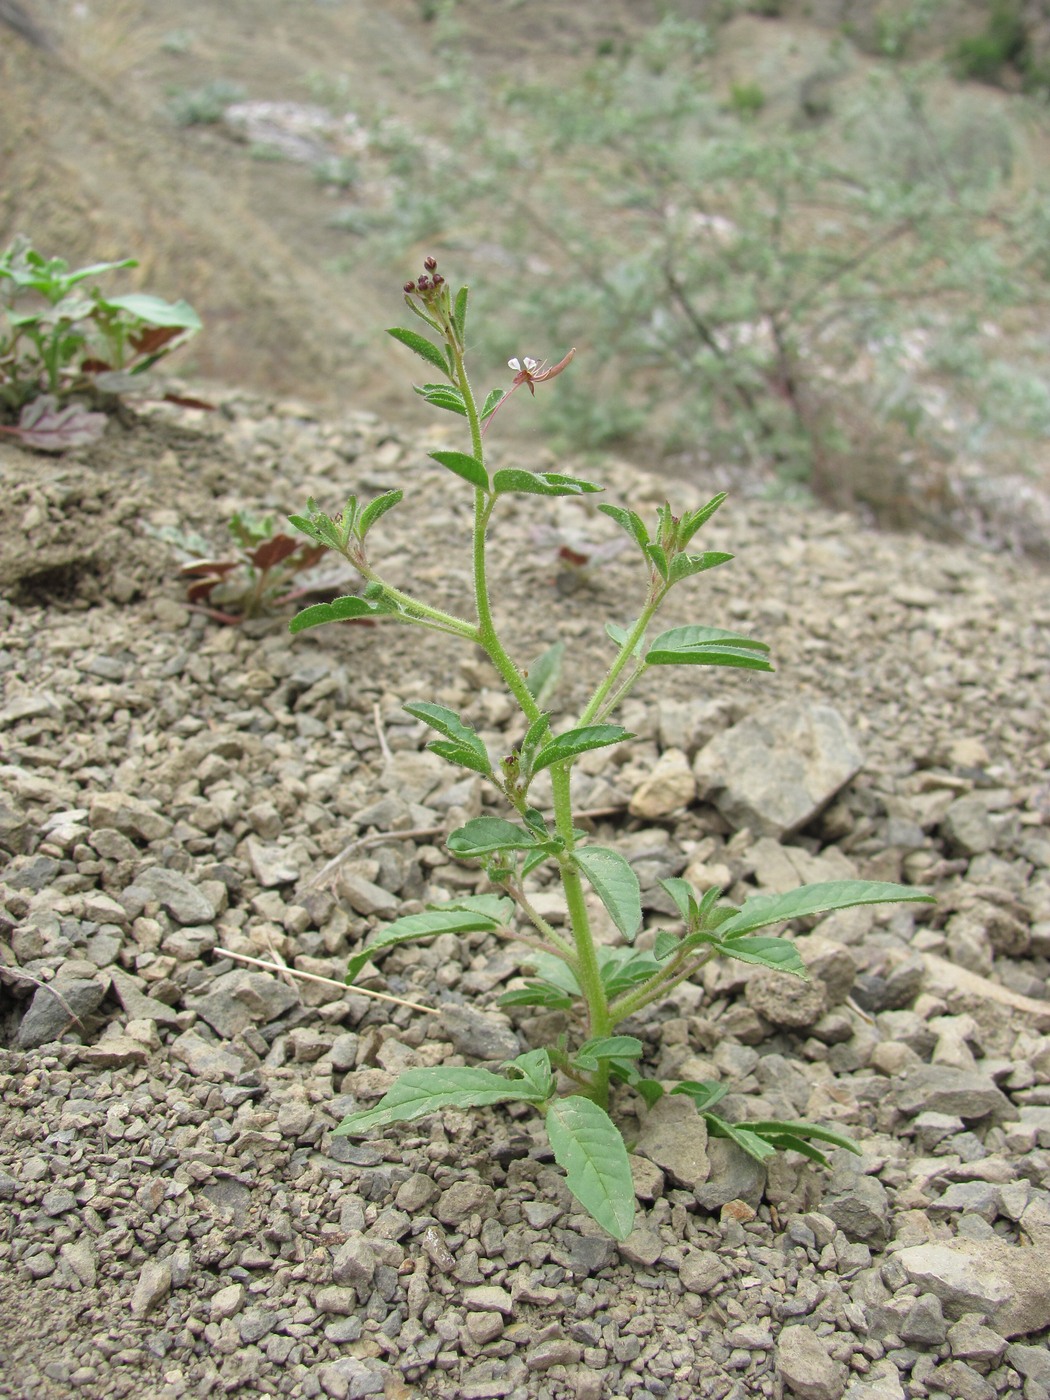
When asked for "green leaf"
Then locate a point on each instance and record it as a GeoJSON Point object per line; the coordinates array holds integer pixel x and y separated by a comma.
{"type": "Point", "coordinates": [465, 748]}
{"type": "Point", "coordinates": [657, 556]}
{"type": "Point", "coordinates": [444, 396]}
{"type": "Point", "coordinates": [788, 1142]}
{"type": "Point", "coordinates": [155, 311]}
{"type": "Point", "coordinates": [800, 1128]}
{"type": "Point", "coordinates": [469, 468]}
{"type": "Point", "coordinates": [541, 483]}
{"type": "Point", "coordinates": [588, 1147]}
{"type": "Point", "coordinates": [743, 1135]}
{"type": "Point", "coordinates": [681, 891]}
{"type": "Point", "coordinates": [651, 1090]}
{"type": "Point", "coordinates": [535, 1070]}
{"type": "Point", "coordinates": [685, 565]}
{"type": "Point", "coordinates": [691, 521]}
{"type": "Point", "coordinates": [609, 1047]}
{"type": "Point", "coordinates": [554, 971]}
{"type": "Point", "coordinates": [422, 346]}
{"type": "Point", "coordinates": [483, 835]}
{"type": "Point", "coordinates": [459, 314]}
{"type": "Point", "coordinates": [537, 994]}
{"type": "Point", "coordinates": [376, 508]}
{"type": "Point", "coordinates": [628, 520]}
{"type": "Point", "coordinates": [764, 909]}
{"type": "Point", "coordinates": [777, 953]}
{"type": "Point", "coordinates": [419, 1092]}
{"type": "Point", "coordinates": [447, 919]}
{"type": "Point", "coordinates": [543, 674]}
{"type": "Point", "coordinates": [339, 610]}
{"type": "Point", "coordinates": [577, 741]}
{"type": "Point", "coordinates": [664, 944]}
{"type": "Point", "coordinates": [615, 884]}
{"type": "Point", "coordinates": [492, 402]}
{"type": "Point", "coordinates": [621, 636]}
{"type": "Point", "coordinates": [623, 968]}
{"type": "Point", "coordinates": [535, 735]}
{"type": "Point", "coordinates": [705, 1093]}
{"type": "Point", "coordinates": [707, 646]}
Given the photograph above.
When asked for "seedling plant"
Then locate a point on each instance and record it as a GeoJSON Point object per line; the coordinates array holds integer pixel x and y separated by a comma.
{"type": "Point", "coordinates": [61, 337]}
{"type": "Point", "coordinates": [568, 1083]}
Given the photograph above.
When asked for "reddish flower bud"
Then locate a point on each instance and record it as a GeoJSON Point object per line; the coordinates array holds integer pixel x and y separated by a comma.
{"type": "Point", "coordinates": [438, 279]}
{"type": "Point", "coordinates": [423, 283]}
{"type": "Point", "coordinates": [430, 264]}
{"type": "Point", "coordinates": [409, 287]}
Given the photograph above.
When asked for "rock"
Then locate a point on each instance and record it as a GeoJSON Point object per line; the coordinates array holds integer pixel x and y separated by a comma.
{"type": "Point", "coordinates": [970, 1340]}
{"type": "Point", "coordinates": [204, 1059]}
{"type": "Point", "coordinates": [558, 1351]}
{"type": "Point", "coordinates": [154, 1285]}
{"type": "Point", "coordinates": [239, 999]}
{"type": "Point", "coordinates": [882, 1382]}
{"type": "Point", "coordinates": [478, 1035]}
{"type": "Point", "coordinates": [465, 1198]}
{"type": "Point", "coordinates": [961, 1093]}
{"type": "Point", "coordinates": [131, 816]}
{"type": "Point", "coordinates": [806, 1367]}
{"type": "Point", "coordinates": [1009, 1285]}
{"type": "Point", "coordinates": [647, 1177]}
{"type": "Point", "coordinates": [365, 896]}
{"type": "Point", "coordinates": [962, 1382]}
{"type": "Point", "coordinates": [355, 1264]}
{"type": "Point", "coordinates": [862, 1210]}
{"type": "Point", "coordinates": [271, 865]}
{"type": "Point", "coordinates": [80, 1256]}
{"type": "Point", "coordinates": [924, 1324]}
{"type": "Point", "coordinates": [674, 1136]}
{"type": "Point", "coordinates": [702, 1270]}
{"type": "Point", "coordinates": [734, 1176]}
{"type": "Point", "coordinates": [489, 1298]}
{"type": "Point", "coordinates": [177, 895]}
{"type": "Point", "coordinates": [773, 773]}
{"type": "Point", "coordinates": [642, 1247]}
{"type": "Point", "coordinates": [669, 787]}
{"type": "Point", "coordinates": [786, 1001]}
{"type": "Point", "coordinates": [227, 1302]}
{"type": "Point", "coordinates": [48, 1019]}
{"type": "Point", "coordinates": [1032, 1362]}
{"type": "Point", "coordinates": [968, 827]}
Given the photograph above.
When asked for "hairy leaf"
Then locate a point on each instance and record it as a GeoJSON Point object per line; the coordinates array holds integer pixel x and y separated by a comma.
{"type": "Point", "coordinates": [685, 565]}
{"type": "Point", "coordinates": [588, 1147]}
{"type": "Point", "coordinates": [48, 428]}
{"type": "Point", "coordinates": [707, 646]}
{"type": "Point", "coordinates": [339, 610]}
{"type": "Point", "coordinates": [615, 884]}
{"type": "Point", "coordinates": [464, 739]}
{"type": "Point", "coordinates": [761, 910]}
{"type": "Point", "coordinates": [484, 835]}
{"type": "Point", "coordinates": [777, 953]}
{"type": "Point", "coordinates": [535, 1070]}
{"type": "Point", "coordinates": [376, 508]}
{"type": "Point", "coordinates": [422, 346]}
{"type": "Point", "coordinates": [577, 741]}
{"type": "Point", "coordinates": [447, 919]}
{"type": "Point", "coordinates": [419, 1092]}
{"type": "Point", "coordinates": [692, 520]}
{"type": "Point", "coordinates": [628, 520]}
{"type": "Point", "coordinates": [543, 674]}
{"type": "Point", "coordinates": [469, 468]}
{"type": "Point", "coordinates": [541, 483]}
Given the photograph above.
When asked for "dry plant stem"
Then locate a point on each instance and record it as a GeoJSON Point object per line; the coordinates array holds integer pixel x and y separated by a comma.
{"type": "Point", "coordinates": [25, 977]}
{"type": "Point", "coordinates": [326, 981]}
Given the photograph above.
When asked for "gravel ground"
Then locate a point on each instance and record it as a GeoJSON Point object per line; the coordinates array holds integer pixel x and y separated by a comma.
{"type": "Point", "coordinates": [177, 1219]}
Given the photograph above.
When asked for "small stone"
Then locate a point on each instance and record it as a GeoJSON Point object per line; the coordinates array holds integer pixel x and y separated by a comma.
{"type": "Point", "coordinates": [962, 1382]}
{"type": "Point", "coordinates": [774, 772]}
{"type": "Point", "coordinates": [924, 1324]}
{"type": "Point", "coordinates": [674, 1136]}
{"type": "Point", "coordinates": [337, 1301]}
{"type": "Point", "coordinates": [271, 865]}
{"type": "Point", "coordinates": [806, 1367]}
{"type": "Point", "coordinates": [786, 1001]}
{"type": "Point", "coordinates": [58, 1202]}
{"type": "Point", "coordinates": [478, 1035]}
{"type": "Point", "coordinates": [489, 1298]}
{"type": "Point", "coordinates": [701, 1270]}
{"type": "Point", "coordinates": [735, 1176]}
{"type": "Point", "coordinates": [970, 1340]}
{"type": "Point", "coordinates": [364, 896]}
{"type": "Point", "coordinates": [861, 1207]}
{"type": "Point", "coordinates": [882, 1382]}
{"type": "Point", "coordinates": [131, 816]}
{"type": "Point", "coordinates": [415, 1194]}
{"type": "Point", "coordinates": [484, 1327]}
{"type": "Point", "coordinates": [1007, 1284]}
{"type": "Point", "coordinates": [961, 1093]}
{"type": "Point", "coordinates": [355, 1264]}
{"type": "Point", "coordinates": [48, 1019]}
{"type": "Point", "coordinates": [154, 1285]}
{"type": "Point", "coordinates": [255, 1323]}
{"type": "Point", "coordinates": [558, 1351]}
{"type": "Point", "coordinates": [227, 1302]}
{"type": "Point", "coordinates": [80, 1256]}
{"type": "Point", "coordinates": [177, 895]}
{"type": "Point", "coordinates": [641, 1247]}
{"type": "Point", "coordinates": [1033, 1362]}
{"type": "Point", "coordinates": [465, 1198]}
{"type": "Point", "coordinates": [669, 787]}
{"type": "Point", "coordinates": [205, 1059]}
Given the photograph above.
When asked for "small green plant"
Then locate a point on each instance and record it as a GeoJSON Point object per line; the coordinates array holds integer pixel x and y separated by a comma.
{"type": "Point", "coordinates": [568, 1083]}
{"type": "Point", "coordinates": [746, 99]}
{"type": "Point", "coordinates": [257, 579]}
{"type": "Point", "coordinates": [60, 337]}
{"type": "Point", "coordinates": [203, 106]}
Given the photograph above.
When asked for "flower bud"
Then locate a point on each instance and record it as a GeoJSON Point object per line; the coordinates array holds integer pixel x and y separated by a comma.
{"type": "Point", "coordinates": [438, 279]}
{"type": "Point", "coordinates": [430, 263]}
{"type": "Point", "coordinates": [409, 287]}
{"type": "Point", "coordinates": [423, 283]}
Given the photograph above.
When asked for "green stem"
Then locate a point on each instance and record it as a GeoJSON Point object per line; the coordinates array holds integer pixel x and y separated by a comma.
{"type": "Point", "coordinates": [588, 973]}
{"type": "Point", "coordinates": [558, 945]}
{"type": "Point", "coordinates": [656, 987]}
{"type": "Point", "coordinates": [421, 612]}
{"type": "Point", "coordinates": [597, 700]}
